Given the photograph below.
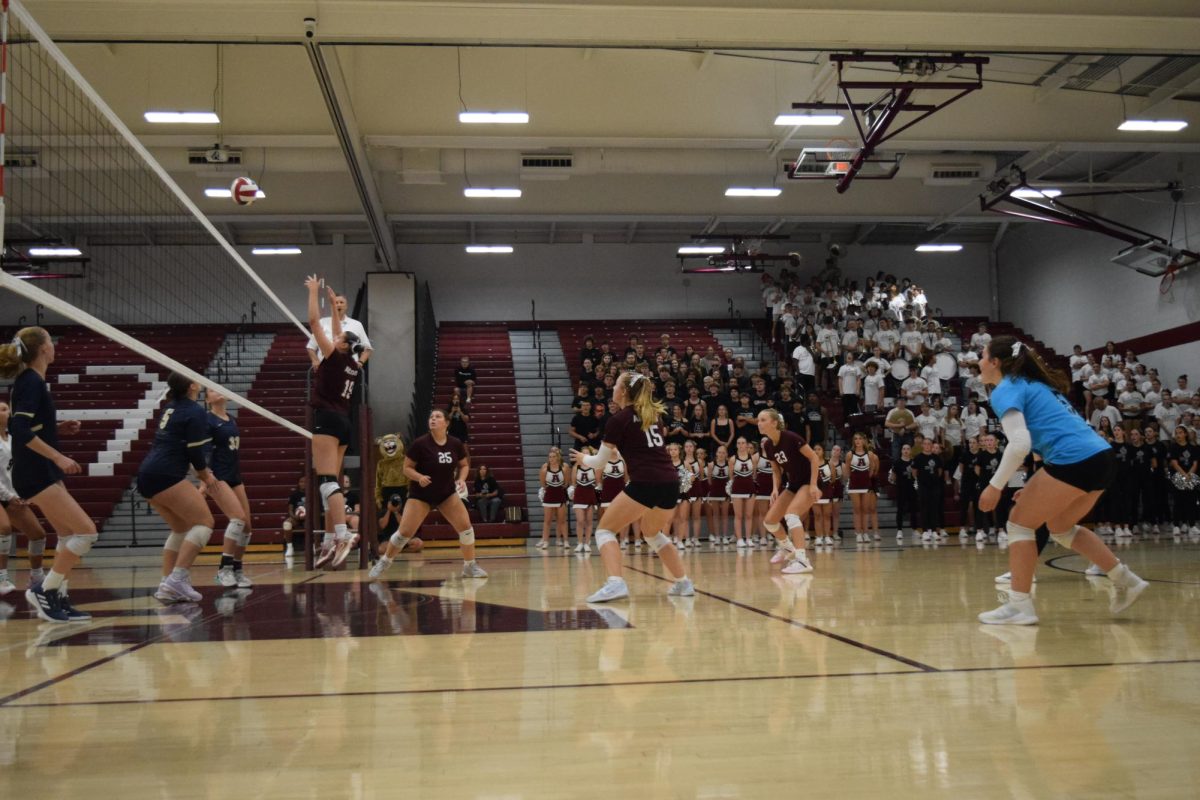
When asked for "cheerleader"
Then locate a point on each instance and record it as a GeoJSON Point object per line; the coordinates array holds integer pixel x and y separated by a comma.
{"type": "Point", "coordinates": [683, 458]}
{"type": "Point", "coordinates": [717, 502]}
{"type": "Point", "coordinates": [15, 514]}
{"type": "Point", "coordinates": [822, 508]}
{"type": "Point", "coordinates": [583, 500]}
{"type": "Point", "coordinates": [699, 495]}
{"type": "Point", "coordinates": [861, 465]}
{"type": "Point", "coordinates": [763, 477]}
{"type": "Point", "coordinates": [1183, 461]}
{"type": "Point", "coordinates": [612, 483]}
{"type": "Point", "coordinates": [554, 477]}
{"type": "Point", "coordinates": [837, 465]}
{"type": "Point", "coordinates": [38, 469]}
{"type": "Point", "coordinates": [741, 492]}
{"type": "Point", "coordinates": [927, 472]}
{"type": "Point", "coordinates": [228, 491]}
{"type": "Point", "coordinates": [903, 477]}
{"type": "Point", "coordinates": [793, 489]}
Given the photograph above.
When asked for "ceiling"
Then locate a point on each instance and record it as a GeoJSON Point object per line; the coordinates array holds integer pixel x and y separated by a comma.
{"type": "Point", "coordinates": [661, 108]}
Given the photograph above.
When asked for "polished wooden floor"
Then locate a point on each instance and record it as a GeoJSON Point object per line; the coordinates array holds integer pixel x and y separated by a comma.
{"type": "Point", "coordinates": [870, 678]}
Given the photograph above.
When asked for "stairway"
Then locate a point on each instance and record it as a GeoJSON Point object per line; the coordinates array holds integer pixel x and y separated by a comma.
{"type": "Point", "coordinates": [538, 432]}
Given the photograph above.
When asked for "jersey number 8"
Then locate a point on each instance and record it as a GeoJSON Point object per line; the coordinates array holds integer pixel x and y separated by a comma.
{"type": "Point", "coordinates": [653, 437]}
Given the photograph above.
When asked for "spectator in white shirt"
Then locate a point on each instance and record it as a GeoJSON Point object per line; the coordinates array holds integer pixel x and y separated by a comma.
{"type": "Point", "coordinates": [873, 387]}
{"type": "Point", "coordinates": [1153, 393]}
{"type": "Point", "coordinates": [929, 425]}
{"type": "Point", "coordinates": [806, 367]}
{"type": "Point", "coordinates": [348, 324]}
{"type": "Point", "coordinates": [850, 383]}
{"type": "Point", "coordinates": [887, 338]}
{"type": "Point", "coordinates": [1167, 413]}
{"type": "Point", "coordinates": [932, 380]}
{"type": "Point", "coordinates": [850, 338]}
{"type": "Point", "coordinates": [914, 387]}
{"type": "Point", "coordinates": [974, 420]}
{"type": "Point", "coordinates": [1182, 392]}
{"type": "Point", "coordinates": [980, 338]}
{"type": "Point", "coordinates": [1077, 361]}
{"type": "Point", "coordinates": [911, 340]}
{"type": "Point", "coordinates": [973, 386]}
{"type": "Point", "coordinates": [1130, 402]}
{"type": "Point", "coordinates": [1102, 410]}
{"type": "Point", "coordinates": [829, 344]}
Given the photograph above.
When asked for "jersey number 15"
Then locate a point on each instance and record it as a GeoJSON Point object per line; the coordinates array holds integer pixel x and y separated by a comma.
{"type": "Point", "coordinates": [653, 437]}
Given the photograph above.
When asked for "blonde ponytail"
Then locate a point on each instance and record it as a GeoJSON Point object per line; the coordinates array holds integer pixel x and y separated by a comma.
{"type": "Point", "coordinates": [17, 354]}
{"type": "Point", "coordinates": [641, 397]}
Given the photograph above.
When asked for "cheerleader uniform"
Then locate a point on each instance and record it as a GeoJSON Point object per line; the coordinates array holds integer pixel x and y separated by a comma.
{"type": "Point", "coordinates": [612, 482]}
{"type": "Point", "coordinates": [718, 477]}
{"type": "Point", "coordinates": [825, 483]}
{"type": "Point", "coordinates": [762, 478]}
{"type": "Point", "coordinates": [699, 486]}
{"type": "Point", "coordinates": [556, 489]}
{"type": "Point", "coordinates": [585, 488]}
{"type": "Point", "coordinates": [861, 481]}
{"type": "Point", "coordinates": [680, 470]}
{"type": "Point", "coordinates": [742, 483]}
{"type": "Point", "coordinates": [839, 487]}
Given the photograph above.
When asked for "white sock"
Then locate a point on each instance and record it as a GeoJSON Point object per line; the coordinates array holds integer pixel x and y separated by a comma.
{"type": "Point", "coordinates": [341, 531]}
{"type": "Point", "coordinates": [3, 574]}
{"type": "Point", "coordinates": [327, 539]}
{"type": "Point", "coordinates": [1018, 597]}
{"type": "Point", "coordinates": [53, 581]}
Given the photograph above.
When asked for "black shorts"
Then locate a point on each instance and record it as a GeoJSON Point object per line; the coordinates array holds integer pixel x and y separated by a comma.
{"type": "Point", "coordinates": [1090, 475]}
{"type": "Point", "coordinates": [423, 494]}
{"type": "Point", "coordinates": [331, 423]}
{"type": "Point", "coordinates": [30, 480]}
{"type": "Point", "coordinates": [151, 483]}
{"type": "Point", "coordinates": [654, 495]}
{"type": "Point", "coordinates": [234, 479]}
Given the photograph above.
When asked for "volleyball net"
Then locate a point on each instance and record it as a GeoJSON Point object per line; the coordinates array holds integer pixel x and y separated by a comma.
{"type": "Point", "coordinates": [95, 231]}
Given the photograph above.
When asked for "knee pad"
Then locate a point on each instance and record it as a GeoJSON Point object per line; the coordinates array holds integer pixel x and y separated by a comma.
{"type": "Point", "coordinates": [37, 547]}
{"type": "Point", "coordinates": [793, 521]}
{"type": "Point", "coordinates": [772, 527]}
{"type": "Point", "coordinates": [199, 535]}
{"type": "Point", "coordinates": [1019, 533]}
{"type": "Point", "coordinates": [329, 486]}
{"type": "Point", "coordinates": [397, 541]}
{"type": "Point", "coordinates": [5, 543]}
{"type": "Point", "coordinates": [174, 542]}
{"type": "Point", "coordinates": [466, 538]}
{"type": "Point", "coordinates": [1065, 539]}
{"type": "Point", "coordinates": [287, 524]}
{"type": "Point", "coordinates": [659, 542]}
{"type": "Point", "coordinates": [603, 537]}
{"type": "Point", "coordinates": [81, 543]}
{"type": "Point", "coordinates": [236, 531]}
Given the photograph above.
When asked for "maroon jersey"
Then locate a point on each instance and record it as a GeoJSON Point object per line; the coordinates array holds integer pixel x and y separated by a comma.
{"type": "Point", "coordinates": [334, 382]}
{"type": "Point", "coordinates": [440, 462]}
{"type": "Point", "coordinates": [797, 471]}
{"type": "Point", "coordinates": [643, 450]}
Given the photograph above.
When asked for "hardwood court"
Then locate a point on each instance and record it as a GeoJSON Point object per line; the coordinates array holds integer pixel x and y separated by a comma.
{"type": "Point", "coordinates": [869, 678]}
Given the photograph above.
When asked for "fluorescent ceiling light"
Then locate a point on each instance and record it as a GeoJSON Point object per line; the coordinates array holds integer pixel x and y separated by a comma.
{"type": "Point", "coordinates": [494, 117]}
{"type": "Point", "coordinates": [809, 119]}
{"type": "Point", "coordinates": [1156, 125]}
{"type": "Point", "coordinates": [1034, 194]}
{"type": "Point", "coordinates": [276, 251]}
{"type": "Point", "coordinates": [938, 248]}
{"type": "Point", "coordinates": [54, 252]}
{"type": "Point", "coordinates": [472, 192]}
{"type": "Point", "coordinates": [688, 250]}
{"type": "Point", "coordinates": [226, 193]}
{"type": "Point", "coordinates": [744, 191]}
{"type": "Point", "coordinates": [182, 117]}
{"type": "Point", "coordinates": [489, 248]}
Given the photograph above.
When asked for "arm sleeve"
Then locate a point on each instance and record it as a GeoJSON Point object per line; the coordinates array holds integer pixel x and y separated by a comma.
{"type": "Point", "coordinates": [600, 459]}
{"type": "Point", "coordinates": [1019, 445]}
{"type": "Point", "coordinates": [24, 405]}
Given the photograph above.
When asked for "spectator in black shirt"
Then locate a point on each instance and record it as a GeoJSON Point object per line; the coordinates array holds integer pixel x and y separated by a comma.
{"type": "Point", "coordinates": [583, 425]}
{"type": "Point", "coordinates": [746, 419]}
{"type": "Point", "coordinates": [464, 377]}
{"type": "Point", "coordinates": [488, 495]}
{"type": "Point", "coordinates": [294, 522]}
{"type": "Point", "coordinates": [677, 426]}
{"type": "Point", "coordinates": [600, 414]}
{"type": "Point", "coordinates": [670, 399]}
{"type": "Point", "coordinates": [583, 394]}
{"type": "Point", "coordinates": [589, 352]}
{"type": "Point", "coordinates": [457, 419]}
{"type": "Point", "coordinates": [760, 398]}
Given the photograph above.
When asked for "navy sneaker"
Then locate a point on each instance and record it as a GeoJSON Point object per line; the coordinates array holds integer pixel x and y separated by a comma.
{"type": "Point", "coordinates": [73, 613]}
{"type": "Point", "coordinates": [45, 603]}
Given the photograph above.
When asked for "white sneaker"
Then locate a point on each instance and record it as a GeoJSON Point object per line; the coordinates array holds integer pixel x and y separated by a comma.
{"type": "Point", "coordinates": [1010, 613]}
{"type": "Point", "coordinates": [225, 577]}
{"type": "Point", "coordinates": [858, 538]}
{"type": "Point", "coordinates": [613, 589]}
{"type": "Point", "coordinates": [1175, 531]}
{"type": "Point", "coordinates": [877, 536]}
{"type": "Point", "coordinates": [829, 541]}
{"type": "Point", "coordinates": [379, 567]}
{"type": "Point", "coordinates": [682, 588]}
{"type": "Point", "coordinates": [579, 547]}
{"type": "Point", "coordinates": [1094, 570]}
{"type": "Point", "coordinates": [741, 543]}
{"type": "Point", "coordinates": [980, 536]}
{"type": "Point", "coordinates": [926, 536]}
{"type": "Point", "coordinates": [780, 555]}
{"type": "Point", "coordinates": [798, 565]}
{"type": "Point", "coordinates": [242, 581]}
{"type": "Point", "coordinates": [900, 533]}
{"type": "Point", "coordinates": [1127, 587]}
{"type": "Point", "coordinates": [289, 551]}
{"type": "Point", "coordinates": [624, 546]}
{"type": "Point", "coordinates": [472, 569]}
{"type": "Point", "coordinates": [6, 585]}
{"type": "Point", "coordinates": [564, 544]}
{"type": "Point", "coordinates": [637, 545]}
{"type": "Point", "coordinates": [1194, 531]}
{"type": "Point", "coordinates": [943, 535]}
{"type": "Point", "coordinates": [542, 545]}
{"type": "Point", "coordinates": [1007, 578]}
{"type": "Point", "coordinates": [587, 549]}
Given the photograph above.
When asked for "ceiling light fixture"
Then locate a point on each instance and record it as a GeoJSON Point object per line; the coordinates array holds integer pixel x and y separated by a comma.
{"type": "Point", "coordinates": [695, 250]}
{"type": "Point", "coordinates": [489, 248]}
{"type": "Point", "coordinates": [227, 193]}
{"type": "Point", "coordinates": [276, 251]}
{"type": "Point", "coordinates": [1153, 125]}
{"type": "Point", "coordinates": [939, 248]}
{"type": "Point", "coordinates": [475, 192]}
{"type": "Point", "coordinates": [1034, 194]}
{"type": "Point", "coordinates": [746, 191]}
{"type": "Point", "coordinates": [55, 252]}
{"type": "Point", "coordinates": [494, 117]}
{"type": "Point", "coordinates": [801, 120]}
{"type": "Point", "coordinates": [182, 117]}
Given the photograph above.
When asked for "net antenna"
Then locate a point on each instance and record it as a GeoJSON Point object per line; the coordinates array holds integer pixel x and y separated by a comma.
{"type": "Point", "coordinates": [89, 214]}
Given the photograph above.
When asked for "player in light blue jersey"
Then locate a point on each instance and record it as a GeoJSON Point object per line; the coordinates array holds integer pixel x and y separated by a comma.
{"type": "Point", "coordinates": [1029, 400]}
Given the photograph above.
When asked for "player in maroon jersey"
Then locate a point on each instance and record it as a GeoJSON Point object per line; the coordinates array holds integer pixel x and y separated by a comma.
{"type": "Point", "coordinates": [793, 488]}
{"type": "Point", "coordinates": [653, 490]}
{"type": "Point", "coordinates": [333, 383]}
{"type": "Point", "coordinates": [436, 465]}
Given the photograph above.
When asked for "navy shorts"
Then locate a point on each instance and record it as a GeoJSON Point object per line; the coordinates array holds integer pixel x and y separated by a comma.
{"type": "Point", "coordinates": [234, 479]}
{"type": "Point", "coordinates": [31, 479]}
{"type": "Point", "coordinates": [151, 483]}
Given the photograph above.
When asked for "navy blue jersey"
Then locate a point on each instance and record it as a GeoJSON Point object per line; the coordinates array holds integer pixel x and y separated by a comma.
{"type": "Point", "coordinates": [179, 440]}
{"type": "Point", "coordinates": [33, 414]}
{"type": "Point", "coordinates": [222, 452]}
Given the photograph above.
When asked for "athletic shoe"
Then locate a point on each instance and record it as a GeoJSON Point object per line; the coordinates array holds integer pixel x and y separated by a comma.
{"type": "Point", "coordinates": [900, 533]}
{"type": "Point", "coordinates": [225, 577]}
{"type": "Point", "coordinates": [780, 555]}
{"type": "Point", "coordinates": [682, 588]}
{"type": "Point", "coordinates": [73, 613]}
{"type": "Point", "coordinates": [181, 588]}
{"type": "Point", "coordinates": [1094, 570]}
{"type": "Point", "coordinates": [741, 543]}
{"type": "Point", "coordinates": [1007, 578]}
{"type": "Point", "coordinates": [1010, 613]}
{"type": "Point", "coordinates": [943, 535]}
{"type": "Point", "coordinates": [542, 545]}
{"type": "Point", "coordinates": [927, 536]}
{"type": "Point", "coordinates": [877, 536]}
{"type": "Point", "coordinates": [637, 545]}
{"type": "Point", "coordinates": [564, 543]}
{"type": "Point", "coordinates": [341, 550]}
{"type": "Point", "coordinates": [379, 567]}
{"type": "Point", "coordinates": [1194, 531]}
{"type": "Point", "coordinates": [165, 597]}
{"type": "Point", "coordinates": [980, 536]}
{"type": "Point", "coordinates": [798, 566]}
{"type": "Point", "coordinates": [587, 549]}
{"type": "Point", "coordinates": [472, 570]}
{"type": "Point", "coordinates": [289, 552]}
{"type": "Point", "coordinates": [1175, 531]}
{"type": "Point", "coordinates": [613, 589]}
{"type": "Point", "coordinates": [6, 585]}
{"type": "Point", "coordinates": [6, 611]}
{"type": "Point", "coordinates": [1125, 590]}
{"type": "Point", "coordinates": [45, 603]}
{"type": "Point", "coordinates": [243, 582]}
{"type": "Point", "coordinates": [624, 546]}
{"type": "Point", "coordinates": [326, 554]}
{"type": "Point", "coordinates": [579, 547]}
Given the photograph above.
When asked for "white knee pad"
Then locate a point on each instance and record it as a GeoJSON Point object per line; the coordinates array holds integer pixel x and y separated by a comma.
{"type": "Point", "coordinates": [37, 547]}
{"type": "Point", "coordinates": [398, 541]}
{"type": "Point", "coordinates": [236, 531]}
{"type": "Point", "coordinates": [467, 538]}
{"type": "Point", "coordinates": [5, 543]}
{"type": "Point", "coordinates": [1019, 533]}
{"type": "Point", "coordinates": [603, 537]}
{"type": "Point", "coordinates": [1065, 539]}
{"type": "Point", "coordinates": [81, 543]}
{"type": "Point", "coordinates": [174, 542]}
{"type": "Point", "coordinates": [772, 527]}
{"type": "Point", "coordinates": [199, 535]}
{"type": "Point", "coordinates": [793, 521]}
{"type": "Point", "coordinates": [329, 487]}
{"type": "Point", "coordinates": [287, 524]}
{"type": "Point", "coordinates": [659, 542]}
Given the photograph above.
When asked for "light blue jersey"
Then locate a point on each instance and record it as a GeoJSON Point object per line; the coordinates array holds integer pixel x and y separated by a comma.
{"type": "Point", "coordinates": [1059, 434]}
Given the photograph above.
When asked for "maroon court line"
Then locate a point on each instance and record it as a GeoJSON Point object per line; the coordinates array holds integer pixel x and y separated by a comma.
{"type": "Point", "coordinates": [4, 701]}
{"type": "Point", "coordinates": [550, 686]}
{"type": "Point", "coordinates": [835, 636]}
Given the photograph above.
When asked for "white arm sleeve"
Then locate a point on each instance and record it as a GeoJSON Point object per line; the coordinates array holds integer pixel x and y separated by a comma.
{"type": "Point", "coordinates": [1019, 445]}
{"type": "Point", "coordinates": [602, 457]}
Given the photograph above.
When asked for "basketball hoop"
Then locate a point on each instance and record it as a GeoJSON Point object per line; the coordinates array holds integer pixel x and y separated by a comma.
{"type": "Point", "coordinates": [1168, 279]}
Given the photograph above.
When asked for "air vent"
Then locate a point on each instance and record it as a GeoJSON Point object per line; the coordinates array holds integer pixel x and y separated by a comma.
{"type": "Point", "coordinates": [215, 155]}
{"type": "Point", "coordinates": [555, 162]}
{"type": "Point", "coordinates": [22, 159]}
{"type": "Point", "coordinates": [953, 172]}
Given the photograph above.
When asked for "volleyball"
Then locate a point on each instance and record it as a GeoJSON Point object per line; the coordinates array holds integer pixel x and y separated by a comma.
{"type": "Point", "coordinates": [245, 191]}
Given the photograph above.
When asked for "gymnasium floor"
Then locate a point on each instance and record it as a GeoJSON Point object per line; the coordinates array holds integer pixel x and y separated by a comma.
{"type": "Point", "coordinates": [868, 679]}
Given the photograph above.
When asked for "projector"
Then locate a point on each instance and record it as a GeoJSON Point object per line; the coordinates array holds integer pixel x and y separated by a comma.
{"type": "Point", "coordinates": [217, 155]}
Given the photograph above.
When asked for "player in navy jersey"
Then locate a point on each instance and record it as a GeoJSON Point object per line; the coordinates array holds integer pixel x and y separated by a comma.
{"type": "Point", "coordinates": [436, 465]}
{"type": "Point", "coordinates": [1030, 404]}
{"type": "Point", "coordinates": [333, 385]}
{"type": "Point", "coordinates": [38, 468]}
{"type": "Point", "coordinates": [179, 444]}
{"type": "Point", "coordinates": [794, 468]}
{"type": "Point", "coordinates": [16, 515]}
{"type": "Point", "coordinates": [229, 493]}
{"type": "Point", "coordinates": [638, 431]}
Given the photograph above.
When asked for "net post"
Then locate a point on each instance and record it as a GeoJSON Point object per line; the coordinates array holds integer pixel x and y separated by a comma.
{"type": "Point", "coordinates": [310, 484]}
{"type": "Point", "coordinates": [368, 518]}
